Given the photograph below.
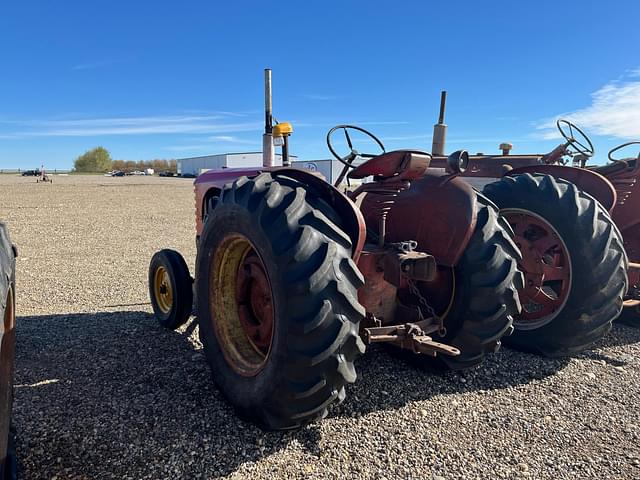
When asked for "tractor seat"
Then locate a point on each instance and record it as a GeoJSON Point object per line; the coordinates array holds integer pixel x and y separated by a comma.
{"type": "Point", "coordinates": [408, 164]}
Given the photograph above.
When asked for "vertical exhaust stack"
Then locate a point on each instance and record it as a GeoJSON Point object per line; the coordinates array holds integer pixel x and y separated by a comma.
{"type": "Point", "coordinates": [440, 129]}
{"type": "Point", "coordinates": [267, 138]}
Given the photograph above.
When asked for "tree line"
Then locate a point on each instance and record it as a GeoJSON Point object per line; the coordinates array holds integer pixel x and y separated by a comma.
{"type": "Point", "coordinates": [98, 160]}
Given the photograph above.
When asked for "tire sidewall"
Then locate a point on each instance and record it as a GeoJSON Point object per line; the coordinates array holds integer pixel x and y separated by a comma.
{"type": "Point", "coordinates": [246, 392]}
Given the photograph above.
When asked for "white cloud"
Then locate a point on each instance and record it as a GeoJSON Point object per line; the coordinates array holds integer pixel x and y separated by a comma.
{"type": "Point", "coordinates": [614, 111]}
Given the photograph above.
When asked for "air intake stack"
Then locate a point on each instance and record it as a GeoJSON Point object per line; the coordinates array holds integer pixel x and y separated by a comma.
{"type": "Point", "coordinates": [440, 129]}
{"type": "Point", "coordinates": [267, 138]}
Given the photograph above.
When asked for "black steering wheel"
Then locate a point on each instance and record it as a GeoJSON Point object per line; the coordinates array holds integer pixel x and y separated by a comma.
{"type": "Point", "coordinates": [619, 147]}
{"type": "Point", "coordinates": [579, 147]}
{"type": "Point", "coordinates": [348, 159]}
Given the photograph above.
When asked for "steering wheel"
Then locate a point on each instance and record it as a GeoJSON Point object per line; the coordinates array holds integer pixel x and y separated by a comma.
{"type": "Point", "coordinates": [586, 150]}
{"type": "Point", "coordinates": [619, 147]}
{"type": "Point", "coordinates": [348, 159]}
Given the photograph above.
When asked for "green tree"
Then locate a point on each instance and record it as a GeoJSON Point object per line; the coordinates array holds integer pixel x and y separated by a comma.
{"type": "Point", "coordinates": [94, 160]}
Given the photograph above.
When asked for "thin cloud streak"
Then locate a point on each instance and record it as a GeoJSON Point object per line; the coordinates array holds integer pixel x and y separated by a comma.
{"type": "Point", "coordinates": [319, 97]}
{"type": "Point", "coordinates": [187, 148]}
{"type": "Point", "coordinates": [95, 65]}
{"type": "Point", "coordinates": [172, 124]}
{"type": "Point", "coordinates": [232, 139]}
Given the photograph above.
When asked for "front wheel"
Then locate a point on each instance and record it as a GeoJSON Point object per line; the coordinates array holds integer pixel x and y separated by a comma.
{"type": "Point", "coordinates": [170, 288]}
{"type": "Point", "coordinates": [277, 301]}
{"type": "Point", "coordinates": [574, 263]}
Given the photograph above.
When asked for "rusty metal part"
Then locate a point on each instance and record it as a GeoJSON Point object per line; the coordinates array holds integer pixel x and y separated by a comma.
{"type": "Point", "coordinates": [400, 263]}
{"type": "Point", "coordinates": [410, 336]}
{"type": "Point", "coordinates": [546, 264]}
{"type": "Point", "coordinates": [626, 214]}
{"type": "Point", "coordinates": [377, 295]}
{"type": "Point", "coordinates": [385, 193]}
{"type": "Point", "coordinates": [424, 304]}
{"type": "Point", "coordinates": [253, 296]}
{"type": "Point", "coordinates": [633, 295]}
{"type": "Point", "coordinates": [388, 270]}
{"type": "Point", "coordinates": [399, 165]}
{"type": "Point", "coordinates": [440, 218]}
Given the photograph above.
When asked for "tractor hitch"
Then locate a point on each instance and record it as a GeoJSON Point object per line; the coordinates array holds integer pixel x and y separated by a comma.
{"type": "Point", "coordinates": [410, 336]}
{"type": "Point", "coordinates": [403, 261]}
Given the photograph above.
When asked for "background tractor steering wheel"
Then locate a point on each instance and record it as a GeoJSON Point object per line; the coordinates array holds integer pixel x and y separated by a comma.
{"type": "Point", "coordinates": [348, 159]}
{"type": "Point", "coordinates": [567, 129]}
{"type": "Point", "coordinates": [620, 147]}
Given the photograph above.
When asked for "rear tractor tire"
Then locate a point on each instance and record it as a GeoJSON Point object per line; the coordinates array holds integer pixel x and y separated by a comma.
{"type": "Point", "coordinates": [574, 263]}
{"type": "Point", "coordinates": [485, 299]}
{"type": "Point", "coordinates": [278, 308]}
{"type": "Point", "coordinates": [170, 288]}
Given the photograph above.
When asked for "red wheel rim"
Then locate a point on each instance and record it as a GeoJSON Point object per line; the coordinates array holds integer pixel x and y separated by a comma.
{"type": "Point", "coordinates": [546, 264]}
{"type": "Point", "coordinates": [253, 297]}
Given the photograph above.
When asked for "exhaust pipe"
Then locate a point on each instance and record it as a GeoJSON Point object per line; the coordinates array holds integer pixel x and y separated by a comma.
{"type": "Point", "coordinates": [440, 129]}
{"type": "Point", "coordinates": [267, 138]}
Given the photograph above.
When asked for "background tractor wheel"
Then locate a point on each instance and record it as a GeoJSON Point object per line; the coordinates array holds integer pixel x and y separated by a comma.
{"type": "Point", "coordinates": [485, 298]}
{"type": "Point", "coordinates": [277, 301]}
{"type": "Point", "coordinates": [573, 261]}
{"type": "Point", "coordinates": [170, 288]}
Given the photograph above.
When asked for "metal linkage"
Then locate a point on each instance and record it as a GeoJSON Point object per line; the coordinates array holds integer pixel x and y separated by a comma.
{"type": "Point", "coordinates": [410, 336]}
{"type": "Point", "coordinates": [442, 331]}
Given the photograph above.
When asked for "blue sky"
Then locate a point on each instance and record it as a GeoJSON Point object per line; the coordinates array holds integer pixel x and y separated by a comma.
{"type": "Point", "coordinates": [174, 79]}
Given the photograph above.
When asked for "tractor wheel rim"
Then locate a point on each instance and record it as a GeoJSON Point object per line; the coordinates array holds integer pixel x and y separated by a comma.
{"type": "Point", "coordinates": [242, 306]}
{"type": "Point", "coordinates": [546, 265]}
{"type": "Point", "coordinates": [162, 289]}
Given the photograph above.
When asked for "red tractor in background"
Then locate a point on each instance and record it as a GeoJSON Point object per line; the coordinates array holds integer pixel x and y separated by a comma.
{"type": "Point", "coordinates": [293, 277]}
{"type": "Point", "coordinates": [567, 222]}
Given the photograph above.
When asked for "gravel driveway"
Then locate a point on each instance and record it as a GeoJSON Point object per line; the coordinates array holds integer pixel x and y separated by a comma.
{"type": "Point", "coordinates": [103, 392]}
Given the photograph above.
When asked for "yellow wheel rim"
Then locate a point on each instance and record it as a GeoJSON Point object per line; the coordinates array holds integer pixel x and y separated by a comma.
{"type": "Point", "coordinates": [162, 289]}
{"type": "Point", "coordinates": [231, 302]}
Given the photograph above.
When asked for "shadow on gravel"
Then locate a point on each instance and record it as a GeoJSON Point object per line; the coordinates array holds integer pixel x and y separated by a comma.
{"type": "Point", "coordinates": [621, 334]}
{"type": "Point", "coordinates": [388, 382]}
{"type": "Point", "coordinates": [114, 395]}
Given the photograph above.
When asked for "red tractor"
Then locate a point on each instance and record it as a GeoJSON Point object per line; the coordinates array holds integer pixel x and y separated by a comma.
{"type": "Point", "coordinates": [294, 277]}
{"type": "Point", "coordinates": [574, 258]}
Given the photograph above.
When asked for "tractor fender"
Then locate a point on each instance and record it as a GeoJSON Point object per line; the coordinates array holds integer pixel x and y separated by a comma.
{"type": "Point", "coordinates": [437, 211]}
{"type": "Point", "coordinates": [351, 219]}
{"type": "Point", "coordinates": [588, 181]}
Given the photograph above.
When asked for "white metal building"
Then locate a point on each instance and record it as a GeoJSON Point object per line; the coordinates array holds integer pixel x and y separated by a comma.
{"type": "Point", "coordinates": [330, 169]}
{"type": "Point", "coordinates": [197, 165]}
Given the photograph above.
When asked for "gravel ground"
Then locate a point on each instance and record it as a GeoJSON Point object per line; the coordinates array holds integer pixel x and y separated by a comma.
{"type": "Point", "coordinates": [103, 392]}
